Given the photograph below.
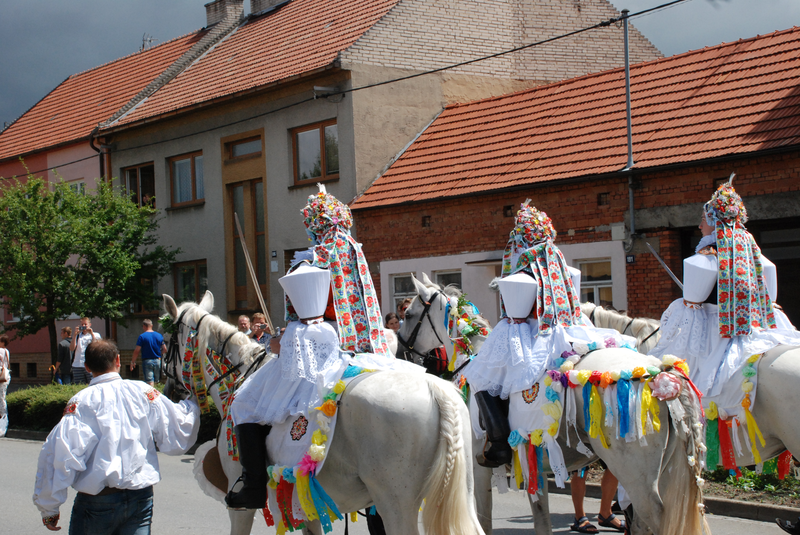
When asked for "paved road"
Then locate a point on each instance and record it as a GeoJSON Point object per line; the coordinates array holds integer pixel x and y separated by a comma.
{"type": "Point", "coordinates": [181, 507]}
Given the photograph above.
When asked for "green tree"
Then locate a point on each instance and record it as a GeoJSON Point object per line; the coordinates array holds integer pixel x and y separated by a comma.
{"type": "Point", "coordinates": [64, 252]}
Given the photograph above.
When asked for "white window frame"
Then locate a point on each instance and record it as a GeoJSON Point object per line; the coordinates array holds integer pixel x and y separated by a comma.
{"type": "Point", "coordinates": [438, 274]}
{"type": "Point", "coordinates": [596, 285]}
{"type": "Point", "coordinates": [397, 298]}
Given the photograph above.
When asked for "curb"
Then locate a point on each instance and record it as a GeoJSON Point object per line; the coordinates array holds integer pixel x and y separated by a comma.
{"type": "Point", "coordinates": [761, 512]}
{"type": "Point", "coordinates": [24, 434]}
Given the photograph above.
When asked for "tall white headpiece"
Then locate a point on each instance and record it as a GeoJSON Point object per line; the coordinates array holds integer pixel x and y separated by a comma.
{"type": "Point", "coordinates": [308, 288]}
{"type": "Point", "coordinates": [770, 273]}
{"type": "Point", "coordinates": [519, 294]}
{"type": "Point", "coordinates": [699, 277]}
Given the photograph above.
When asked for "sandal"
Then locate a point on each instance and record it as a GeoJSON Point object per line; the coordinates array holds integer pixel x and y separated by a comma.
{"type": "Point", "coordinates": [582, 525]}
{"type": "Point", "coordinates": [608, 522]}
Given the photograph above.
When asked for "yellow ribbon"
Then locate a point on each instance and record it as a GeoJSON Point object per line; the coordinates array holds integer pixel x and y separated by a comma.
{"type": "Point", "coordinates": [752, 429]}
{"type": "Point", "coordinates": [304, 495]}
{"type": "Point", "coordinates": [354, 517]}
{"type": "Point", "coordinates": [649, 404]}
{"type": "Point", "coordinates": [596, 417]}
{"type": "Point", "coordinates": [451, 366]}
{"type": "Point", "coordinates": [517, 468]}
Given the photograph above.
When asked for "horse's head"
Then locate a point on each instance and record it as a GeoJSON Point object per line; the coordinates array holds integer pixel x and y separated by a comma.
{"type": "Point", "coordinates": [423, 337]}
{"type": "Point", "coordinates": [224, 339]}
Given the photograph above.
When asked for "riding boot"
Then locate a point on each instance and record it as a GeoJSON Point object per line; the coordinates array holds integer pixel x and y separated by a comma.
{"type": "Point", "coordinates": [251, 439]}
{"type": "Point", "coordinates": [497, 451]}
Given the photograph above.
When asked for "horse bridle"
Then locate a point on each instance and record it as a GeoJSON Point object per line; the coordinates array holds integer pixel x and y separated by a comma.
{"type": "Point", "coordinates": [412, 339]}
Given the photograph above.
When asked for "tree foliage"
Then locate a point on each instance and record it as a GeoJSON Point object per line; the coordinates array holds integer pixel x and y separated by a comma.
{"type": "Point", "coordinates": [65, 252]}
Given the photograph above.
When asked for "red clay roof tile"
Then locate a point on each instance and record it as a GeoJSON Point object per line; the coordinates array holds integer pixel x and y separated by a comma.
{"type": "Point", "coordinates": [73, 109]}
{"type": "Point", "coordinates": [302, 36]}
{"type": "Point", "coordinates": [730, 99]}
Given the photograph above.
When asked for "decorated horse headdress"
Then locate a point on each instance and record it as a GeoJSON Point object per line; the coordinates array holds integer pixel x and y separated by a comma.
{"type": "Point", "coordinates": [530, 248]}
{"type": "Point", "coordinates": [358, 314]}
{"type": "Point", "coordinates": [742, 295]}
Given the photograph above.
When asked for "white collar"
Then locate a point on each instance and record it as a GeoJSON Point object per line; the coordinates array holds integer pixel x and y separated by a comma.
{"type": "Point", "coordinates": [105, 378]}
{"type": "Point", "coordinates": [711, 239]}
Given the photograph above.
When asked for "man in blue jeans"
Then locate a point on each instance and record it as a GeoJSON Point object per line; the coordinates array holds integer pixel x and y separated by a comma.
{"type": "Point", "coordinates": [150, 345]}
{"type": "Point", "coordinates": [105, 448]}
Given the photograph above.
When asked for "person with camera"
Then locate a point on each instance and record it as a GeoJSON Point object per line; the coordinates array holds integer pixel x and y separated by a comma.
{"type": "Point", "coordinates": [259, 330]}
{"type": "Point", "coordinates": [81, 338]}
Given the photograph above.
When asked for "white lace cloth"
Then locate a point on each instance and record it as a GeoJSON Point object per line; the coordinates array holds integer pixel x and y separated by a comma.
{"type": "Point", "coordinates": [515, 356]}
{"type": "Point", "coordinates": [309, 360]}
{"type": "Point", "coordinates": [715, 363]}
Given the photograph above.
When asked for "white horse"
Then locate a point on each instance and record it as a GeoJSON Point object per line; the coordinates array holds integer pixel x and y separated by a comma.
{"type": "Point", "coordinates": [774, 409]}
{"type": "Point", "coordinates": [399, 439]}
{"type": "Point", "coordinates": [645, 330]}
{"type": "Point", "coordinates": [658, 476]}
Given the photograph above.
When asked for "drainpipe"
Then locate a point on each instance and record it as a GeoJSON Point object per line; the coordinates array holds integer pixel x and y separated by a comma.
{"type": "Point", "coordinates": [97, 150]}
{"type": "Point", "coordinates": [630, 164]}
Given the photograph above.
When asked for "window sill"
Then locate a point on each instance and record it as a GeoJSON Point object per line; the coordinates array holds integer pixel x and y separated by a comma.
{"type": "Point", "coordinates": [312, 182]}
{"type": "Point", "coordinates": [185, 205]}
{"type": "Point", "coordinates": [239, 159]}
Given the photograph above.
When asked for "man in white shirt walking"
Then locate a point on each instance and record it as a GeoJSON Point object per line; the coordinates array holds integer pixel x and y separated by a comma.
{"type": "Point", "coordinates": [105, 448]}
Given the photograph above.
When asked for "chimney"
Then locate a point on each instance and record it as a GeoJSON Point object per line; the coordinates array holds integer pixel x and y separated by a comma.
{"type": "Point", "coordinates": [257, 6]}
{"type": "Point", "coordinates": [223, 9]}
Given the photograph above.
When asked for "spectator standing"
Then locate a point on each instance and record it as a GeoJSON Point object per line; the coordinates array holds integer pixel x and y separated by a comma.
{"type": "Point", "coordinates": [259, 326]}
{"type": "Point", "coordinates": [5, 378]}
{"type": "Point", "coordinates": [391, 321]}
{"type": "Point", "coordinates": [105, 448]}
{"type": "Point", "coordinates": [150, 345]}
{"type": "Point", "coordinates": [63, 369]}
{"type": "Point", "coordinates": [244, 325]}
{"type": "Point", "coordinates": [81, 338]}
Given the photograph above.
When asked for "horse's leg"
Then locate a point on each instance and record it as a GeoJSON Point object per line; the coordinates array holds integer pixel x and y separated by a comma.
{"type": "Point", "coordinates": [241, 521]}
{"type": "Point", "coordinates": [483, 489]}
{"type": "Point", "coordinates": [313, 528]}
{"type": "Point", "coordinates": [541, 512]}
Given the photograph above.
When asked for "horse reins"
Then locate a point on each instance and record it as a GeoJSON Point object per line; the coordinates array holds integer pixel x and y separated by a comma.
{"type": "Point", "coordinates": [414, 333]}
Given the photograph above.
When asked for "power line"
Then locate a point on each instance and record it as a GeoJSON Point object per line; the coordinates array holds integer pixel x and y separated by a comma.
{"type": "Point", "coordinates": [601, 24]}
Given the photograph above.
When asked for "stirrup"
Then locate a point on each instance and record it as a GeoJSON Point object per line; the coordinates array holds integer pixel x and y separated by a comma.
{"type": "Point", "coordinates": [492, 463]}
{"type": "Point", "coordinates": [232, 494]}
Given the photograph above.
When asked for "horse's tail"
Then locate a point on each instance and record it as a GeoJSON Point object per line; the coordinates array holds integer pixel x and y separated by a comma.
{"type": "Point", "coordinates": [449, 507]}
{"type": "Point", "coordinates": [683, 498]}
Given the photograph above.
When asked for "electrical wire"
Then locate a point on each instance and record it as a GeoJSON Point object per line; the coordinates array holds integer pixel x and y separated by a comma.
{"type": "Point", "coordinates": [602, 24]}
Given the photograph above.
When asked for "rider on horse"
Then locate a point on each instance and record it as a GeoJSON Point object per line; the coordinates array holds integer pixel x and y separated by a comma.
{"type": "Point", "coordinates": [727, 314]}
{"type": "Point", "coordinates": [528, 339]}
{"type": "Point", "coordinates": [335, 267]}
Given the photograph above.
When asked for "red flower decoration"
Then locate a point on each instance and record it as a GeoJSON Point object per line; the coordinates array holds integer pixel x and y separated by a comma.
{"type": "Point", "coordinates": [353, 298]}
{"type": "Point", "coordinates": [360, 328]}
{"type": "Point", "coordinates": [560, 300]}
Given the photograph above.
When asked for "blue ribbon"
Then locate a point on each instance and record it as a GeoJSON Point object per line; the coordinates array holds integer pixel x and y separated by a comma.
{"type": "Point", "coordinates": [540, 463]}
{"type": "Point", "coordinates": [623, 393]}
{"type": "Point", "coordinates": [587, 394]}
{"type": "Point", "coordinates": [322, 502]}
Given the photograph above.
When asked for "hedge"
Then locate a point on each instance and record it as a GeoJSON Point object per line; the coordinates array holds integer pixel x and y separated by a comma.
{"type": "Point", "coordinates": [40, 408]}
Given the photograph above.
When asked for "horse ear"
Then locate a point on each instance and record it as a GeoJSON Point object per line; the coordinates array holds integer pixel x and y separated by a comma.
{"type": "Point", "coordinates": [207, 303]}
{"type": "Point", "coordinates": [423, 291]}
{"type": "Point", "coordinates": [425, 280]}
{"type": "Point", "coordinates": [170, 306]}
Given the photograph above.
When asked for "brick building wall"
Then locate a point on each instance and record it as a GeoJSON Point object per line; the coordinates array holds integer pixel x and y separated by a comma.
{"type": "Point", "coordinates": [479, 223]}
{"type": "Point", "coordinates": [428, 34]}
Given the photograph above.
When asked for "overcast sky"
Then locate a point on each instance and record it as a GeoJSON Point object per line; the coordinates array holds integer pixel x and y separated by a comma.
{"type": "Point", "coordinates": [42, 42]}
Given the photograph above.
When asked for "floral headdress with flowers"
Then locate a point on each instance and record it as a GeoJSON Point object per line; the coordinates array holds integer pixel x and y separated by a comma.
{"type": "Point", "coordinates": [742, 296]}
{"type": "Point", "coordinates": [358, 315]}
{"type": "Point", "coordinates": [530, 248]}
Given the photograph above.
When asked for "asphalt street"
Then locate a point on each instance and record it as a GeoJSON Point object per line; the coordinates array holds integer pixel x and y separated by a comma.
{"type": "Point", "coordinates": [181, 507]}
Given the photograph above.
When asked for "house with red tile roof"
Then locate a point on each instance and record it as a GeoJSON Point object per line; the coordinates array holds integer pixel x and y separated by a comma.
{"type": "Point", "coordinates": [446, 205]}
{"type": "Point", "coordinates": [244, 117]}
{"type": "Point", "coordinates": [306, 91]}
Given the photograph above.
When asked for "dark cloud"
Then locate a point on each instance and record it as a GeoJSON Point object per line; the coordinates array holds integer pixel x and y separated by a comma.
{"type": "Point", "coordinates": [45, 41]}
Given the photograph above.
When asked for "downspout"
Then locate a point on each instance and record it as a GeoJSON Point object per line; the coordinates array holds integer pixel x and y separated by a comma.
{"type": "Point", "coordinates": [98, 151]}
{"type": "Point", "coordinates": [630, 164]}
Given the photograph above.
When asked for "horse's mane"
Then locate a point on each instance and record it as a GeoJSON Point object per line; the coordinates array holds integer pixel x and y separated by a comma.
{"type": "Point", "coordinates": [451, 290]}
{"type": "Point", "coordinates": [214, 326]}
{"type": "Point", "coordinates": [640, 328]}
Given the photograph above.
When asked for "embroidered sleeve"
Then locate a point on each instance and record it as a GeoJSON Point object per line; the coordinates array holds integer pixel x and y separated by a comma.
{"type": "Point", "coordinates": [71, 407]}
{"type": "Point", "coordinates": [152, 394]}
